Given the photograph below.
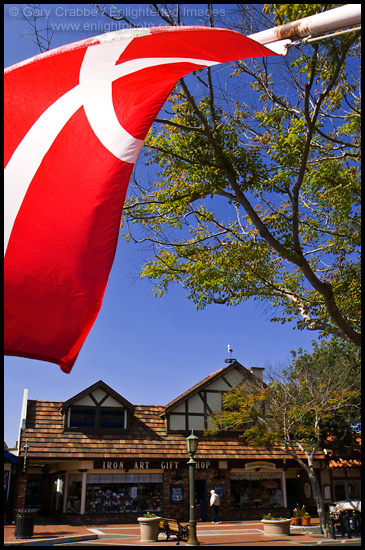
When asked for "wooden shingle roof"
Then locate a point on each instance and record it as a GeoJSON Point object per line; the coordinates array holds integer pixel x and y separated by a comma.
{"type": "Point", "coordinates": [146, 437]}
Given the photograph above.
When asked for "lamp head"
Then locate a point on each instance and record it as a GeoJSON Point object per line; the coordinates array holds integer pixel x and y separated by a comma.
{"type": "Point", "coordinates": [192, 443]}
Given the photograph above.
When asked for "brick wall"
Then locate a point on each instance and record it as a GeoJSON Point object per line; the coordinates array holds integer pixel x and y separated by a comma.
{"type": "Point", "coordinates": [21, 487]}
{"type": "Point", "coordinates": [212, 477]}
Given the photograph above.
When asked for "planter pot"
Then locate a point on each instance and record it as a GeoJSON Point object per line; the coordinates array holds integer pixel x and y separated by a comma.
{"type": "Point", "coordinates": [296, 521]}
{"type": "Point", "coordinates": [279, 527]}
{"type": "Point", "coordinates": [149, 529]}
{"type": "Point", "coordinates": [306, 520]}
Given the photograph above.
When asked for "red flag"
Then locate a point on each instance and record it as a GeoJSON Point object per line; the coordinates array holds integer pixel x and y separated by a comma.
{"type": "Point", "coordinates": [75, 119]}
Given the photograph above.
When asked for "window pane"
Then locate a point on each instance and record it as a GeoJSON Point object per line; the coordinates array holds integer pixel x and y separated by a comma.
{"type": "Point", "coordinates": [82, 418]}
{"type": "Point", "coordinates": [110, 418]}
{"type": "Point", "coordinates": [256, 493]}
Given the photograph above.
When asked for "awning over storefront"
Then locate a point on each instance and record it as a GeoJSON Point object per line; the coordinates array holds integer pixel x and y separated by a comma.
{"type": "Point", "coordinates": [9, 456]}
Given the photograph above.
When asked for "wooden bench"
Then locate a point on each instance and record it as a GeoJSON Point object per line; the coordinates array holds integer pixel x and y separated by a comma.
{"type": "Point", "coordinates": [173, 527]}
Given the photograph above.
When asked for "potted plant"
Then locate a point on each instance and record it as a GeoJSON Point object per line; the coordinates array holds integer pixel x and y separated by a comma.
{"type": "Point", "coordinates": [149, 526]}
{"type": "Point", "coordinates": [276, 526]}
{"type": "Point", "coordinates": [297, 516]}
{"type": "Point", "coordinates": [306, 518]}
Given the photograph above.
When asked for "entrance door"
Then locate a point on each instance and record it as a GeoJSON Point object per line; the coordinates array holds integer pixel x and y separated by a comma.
{"type": "Point", "coordinates": [33, 495]}
{"type": "Point", "coordinates": [201, 497]}
{"type": "Point", "coordinates": [293, 493]}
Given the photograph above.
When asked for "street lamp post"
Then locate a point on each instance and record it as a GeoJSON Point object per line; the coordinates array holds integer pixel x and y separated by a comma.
{"type": "Point", "coordinates": [192, 446]}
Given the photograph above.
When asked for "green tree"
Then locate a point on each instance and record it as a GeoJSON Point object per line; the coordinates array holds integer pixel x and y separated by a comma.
{"type": "Point", "coordinates": [312, 404]}
{"type": "Point", "coordinates": [257, 186]}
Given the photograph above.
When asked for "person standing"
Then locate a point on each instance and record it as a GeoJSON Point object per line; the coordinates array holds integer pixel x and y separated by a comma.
{"type": "Point", "coordinates": [215, 503]}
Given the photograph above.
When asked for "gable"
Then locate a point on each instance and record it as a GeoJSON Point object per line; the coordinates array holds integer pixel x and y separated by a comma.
{"type": "Point", "coordinates": [100, 397]}
{"type": "Point", "coordinates": [192, 410]}
{"type": "Point", "coordinates": [99, 394]}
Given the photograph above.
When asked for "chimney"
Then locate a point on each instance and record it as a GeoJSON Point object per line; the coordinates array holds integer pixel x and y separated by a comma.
{"type": "Point", "coordinates": [257, 371]}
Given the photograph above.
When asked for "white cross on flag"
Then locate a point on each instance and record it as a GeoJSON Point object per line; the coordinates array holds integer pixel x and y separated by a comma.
{"type": "Point", "coordinates": [75, 119]}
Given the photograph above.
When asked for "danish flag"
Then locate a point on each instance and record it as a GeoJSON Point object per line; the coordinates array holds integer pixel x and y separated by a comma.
{"type": "Point", "coordinates": [75, 120]}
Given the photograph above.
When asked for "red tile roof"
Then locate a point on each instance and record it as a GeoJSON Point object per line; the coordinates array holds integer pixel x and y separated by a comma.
{"type": "Point", "coordinates": [342, 463]}
{"type": "Point", "coordinates": [354, 461]}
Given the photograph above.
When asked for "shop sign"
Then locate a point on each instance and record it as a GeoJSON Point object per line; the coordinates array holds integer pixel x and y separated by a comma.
{"type": "Point", "coordinates": [122, 464]}
{"type": "Point", "coordinates": [176, 494]}
{"type": "Point", "coordinates": [147, 464]}
{"type": "Point", "coordinates": [257, 464]}
{"type": "Point", "coordinates": [171, 465]}
{"type": "Point", "coordinates": [221, 491]}
{"type": "Point", "coordinates": [307, 490]}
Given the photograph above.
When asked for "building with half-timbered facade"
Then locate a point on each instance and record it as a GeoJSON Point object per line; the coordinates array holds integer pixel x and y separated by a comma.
{"type": "Point", "coordinates": [96, 457]}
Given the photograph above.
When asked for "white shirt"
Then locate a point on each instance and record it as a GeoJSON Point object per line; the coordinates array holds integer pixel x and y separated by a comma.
{"type": "Point", "coordinates": [214, 499]}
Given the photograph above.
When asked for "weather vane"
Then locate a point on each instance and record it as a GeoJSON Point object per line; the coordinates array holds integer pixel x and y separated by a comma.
{"type": "Point", "coordinates": [230, 360]}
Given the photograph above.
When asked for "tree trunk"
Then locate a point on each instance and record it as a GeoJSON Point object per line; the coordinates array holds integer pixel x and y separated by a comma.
{"type": "Point", "coordinates": [317, 495]}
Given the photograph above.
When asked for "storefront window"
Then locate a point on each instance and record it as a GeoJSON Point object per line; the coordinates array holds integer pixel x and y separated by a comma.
{"type": "Point", "coordinates": [123, 493]}
{"type": "Point", "coordinates": [256, 490]}
{"type": "Point", "coordinates": [74, 493]}
{"type": "Point", "coordinates": [347, 490]}
{"type": "Point", "coordinates": [57, 493]}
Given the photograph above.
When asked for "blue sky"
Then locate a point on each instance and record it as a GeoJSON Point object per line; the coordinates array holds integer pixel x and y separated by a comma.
{"type": "Point", "coordinates": [150, 350]}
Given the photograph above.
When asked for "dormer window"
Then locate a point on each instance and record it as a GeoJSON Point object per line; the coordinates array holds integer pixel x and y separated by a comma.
{"type": "Point", "coordinates": [98, 408]}
{"type": "Point", "coordinates": [97, 417]}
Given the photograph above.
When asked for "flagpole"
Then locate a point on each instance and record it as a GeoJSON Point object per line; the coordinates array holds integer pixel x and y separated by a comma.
{"type": "Point", "coordinates": [331, 20]}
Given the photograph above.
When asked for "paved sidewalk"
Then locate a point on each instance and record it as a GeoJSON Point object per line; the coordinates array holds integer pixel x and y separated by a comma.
{"type": "Point", "coordinates": [248, 533]}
